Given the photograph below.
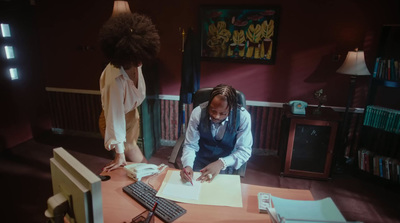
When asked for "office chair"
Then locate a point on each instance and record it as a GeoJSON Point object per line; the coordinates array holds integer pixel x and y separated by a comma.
{"type": "Point", "coordinates": [202, 95]}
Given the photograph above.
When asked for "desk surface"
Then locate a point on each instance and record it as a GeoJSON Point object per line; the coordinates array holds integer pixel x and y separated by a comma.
{"type": "Point", "coordinates": [119, 207]}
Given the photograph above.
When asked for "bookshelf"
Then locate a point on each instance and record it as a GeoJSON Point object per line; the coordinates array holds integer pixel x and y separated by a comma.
{"type": "Point", "coordinates": [379, 146]}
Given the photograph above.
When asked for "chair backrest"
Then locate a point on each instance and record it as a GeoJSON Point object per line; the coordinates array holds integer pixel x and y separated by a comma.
{"type": "Point", "coordinates": [203, 95]}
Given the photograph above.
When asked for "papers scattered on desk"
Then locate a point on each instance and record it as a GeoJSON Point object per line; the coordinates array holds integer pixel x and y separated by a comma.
{"type": "Point", "coordinates": [286, 210]}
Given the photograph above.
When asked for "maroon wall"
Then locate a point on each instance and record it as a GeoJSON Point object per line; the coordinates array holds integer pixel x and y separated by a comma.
{"type": "Point", "coordinates": [60, 49]}
{"type": "Point", "coordinates": [23, 112]}
{"type": "Point", "coordinates": [310, 34]}
{"type": "Point", "coordinates": [68, 30]}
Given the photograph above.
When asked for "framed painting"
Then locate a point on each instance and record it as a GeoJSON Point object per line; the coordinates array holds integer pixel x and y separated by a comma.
{"type": "Point", "coordinates": [239, 34]}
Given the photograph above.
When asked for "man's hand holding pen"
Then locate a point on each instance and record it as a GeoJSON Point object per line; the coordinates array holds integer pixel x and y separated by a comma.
{"type": "Point", "coordinates": [187, 174]}
{"type": "Point", "coordinates": [208, 173]}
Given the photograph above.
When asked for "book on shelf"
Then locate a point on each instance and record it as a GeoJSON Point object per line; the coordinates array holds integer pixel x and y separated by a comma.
{"type": "Point", "coordinates": [393, 170]}
{"type": "Point", "coordinates": [398, 173]}
{"type": "Point", "coordinates": [366, 160]}
{"type": "Point", "coordinates": [376, 67]}
{"type": "Point", "coordinates": [382, 118]}
{"type": "Point", "coordinates": [388, 163]}
{"type": "Point", "coordinates": [370, 165]}
{"type": "Point", "coordinates": [386, 69]}
{"type": "Point", "coordinates": [378, 165]}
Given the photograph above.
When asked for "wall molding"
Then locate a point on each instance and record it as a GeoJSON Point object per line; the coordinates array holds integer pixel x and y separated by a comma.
{"type": "Point", "coordinates": [168, 97]}
{"type": "Point", "coordinates": [176, 98]}
{"type": "Point", "coordinates": [268, 104]}
{"type": "Point", "coordinates": [71, 90]}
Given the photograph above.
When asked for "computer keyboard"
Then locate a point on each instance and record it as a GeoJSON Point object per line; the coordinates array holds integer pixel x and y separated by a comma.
{"type": "Point", "coordinates": [166, 210]}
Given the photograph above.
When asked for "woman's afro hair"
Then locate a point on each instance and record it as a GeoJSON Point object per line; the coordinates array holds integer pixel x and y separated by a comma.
{"type": "Point", "coordinates": [129, 39]}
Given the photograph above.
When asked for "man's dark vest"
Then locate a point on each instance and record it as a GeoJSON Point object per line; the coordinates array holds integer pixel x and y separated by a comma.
{"type": "Point", "coordinates": [210, 148]}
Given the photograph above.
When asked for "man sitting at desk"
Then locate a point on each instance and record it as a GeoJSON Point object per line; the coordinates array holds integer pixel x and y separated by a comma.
{"type": "Point", "coordinates": [218, 137]}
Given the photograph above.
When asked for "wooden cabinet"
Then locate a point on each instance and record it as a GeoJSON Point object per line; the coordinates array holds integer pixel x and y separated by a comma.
{"type": "Point", "coordinates": [307, 142]}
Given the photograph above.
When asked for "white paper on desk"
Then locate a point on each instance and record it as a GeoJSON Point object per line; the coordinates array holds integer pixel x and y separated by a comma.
{"type": "Point", "coordinates": [177, 188]}
{"type": "Point", "coordinates": [224, 190]}
{"type": "Point", "coordinates": [323, 210]}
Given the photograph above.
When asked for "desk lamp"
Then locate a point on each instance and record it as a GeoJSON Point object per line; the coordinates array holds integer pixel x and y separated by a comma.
{"type": "Point", "coordinates": [354, 65]}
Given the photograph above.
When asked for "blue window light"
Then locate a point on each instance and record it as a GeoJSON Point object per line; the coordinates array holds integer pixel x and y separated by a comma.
{"type": "Point", "coordinates": [5, 30]}
{"type": "Point", "coordinates": [13, 73]}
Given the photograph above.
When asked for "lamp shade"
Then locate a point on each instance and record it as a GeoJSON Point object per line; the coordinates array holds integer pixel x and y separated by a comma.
{"type": "Point", "coordinates": [120, 6]}
{"type": "Point", "coordinates": [354, 64]}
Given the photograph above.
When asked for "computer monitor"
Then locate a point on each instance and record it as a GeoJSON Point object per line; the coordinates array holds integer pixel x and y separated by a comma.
{"type": "Point", "coordinates": [76, 189]}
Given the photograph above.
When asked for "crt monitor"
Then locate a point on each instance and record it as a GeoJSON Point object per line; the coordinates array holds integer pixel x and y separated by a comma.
{"type": "Point", "coordinates": [77, 191]}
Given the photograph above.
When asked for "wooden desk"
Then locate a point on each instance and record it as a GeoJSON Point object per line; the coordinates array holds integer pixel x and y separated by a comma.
{"type": "Point", "coordinates": [118, 207]}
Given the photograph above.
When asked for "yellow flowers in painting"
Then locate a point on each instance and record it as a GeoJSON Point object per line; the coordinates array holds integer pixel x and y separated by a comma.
{"type": "Point", "coordinates": [249, 34]}
{"type": "Point", "coordinates": [218, 36]}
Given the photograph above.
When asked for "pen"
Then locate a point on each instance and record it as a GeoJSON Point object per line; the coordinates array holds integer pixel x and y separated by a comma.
{"type": "Point", "coordinates": [186, 173]}
{"type": "Point", "coordinates": [151, 213]}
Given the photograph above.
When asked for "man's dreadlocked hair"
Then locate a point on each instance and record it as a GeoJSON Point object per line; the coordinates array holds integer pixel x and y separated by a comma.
{"type": "Point", "coordinates": [129, 39]}
{"type": "Point", "coordinates": [231, 97]}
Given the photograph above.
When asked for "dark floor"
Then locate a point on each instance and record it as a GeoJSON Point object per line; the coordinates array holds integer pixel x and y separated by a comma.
{"type": "Point", "coordinates": [26, 181]}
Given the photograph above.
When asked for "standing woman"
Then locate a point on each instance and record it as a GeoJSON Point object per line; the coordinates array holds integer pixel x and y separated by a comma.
{"type": "Point", "coordinates": [127, 40]}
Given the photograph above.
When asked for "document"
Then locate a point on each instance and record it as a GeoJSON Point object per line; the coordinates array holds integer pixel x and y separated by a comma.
{"type": "Point", "coordinates": [224, 190]}
{"type": "Point", "coordinates": [323, 210]}
{"type": "Point", "coordinates": [176, 188]}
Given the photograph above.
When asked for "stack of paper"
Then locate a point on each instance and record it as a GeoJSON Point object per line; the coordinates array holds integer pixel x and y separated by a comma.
{"type": "Point", "coordinates": [323, 210]}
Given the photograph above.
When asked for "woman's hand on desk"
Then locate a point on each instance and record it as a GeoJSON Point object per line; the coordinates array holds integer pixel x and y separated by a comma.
{"type": "Point", "coordinates": [209, 172]}
{"type": "Point", "coordinates": [118, 161]}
